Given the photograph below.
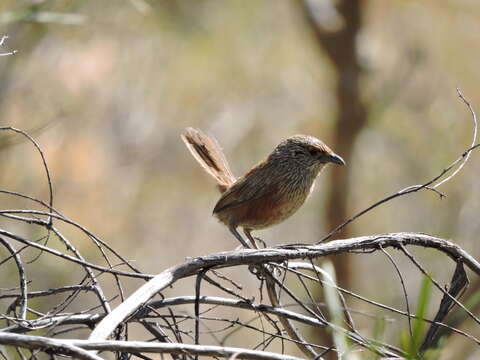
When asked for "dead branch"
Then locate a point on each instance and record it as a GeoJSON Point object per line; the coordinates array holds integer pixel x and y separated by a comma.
{"type": "Point", "coordinates": [47, 344]}
{"type": "Point", "coordinates": [78, 347]}
{"type": "Point", "coordinates": [274, 255]}
{"type": "Point", "coordinates": [458, 284]}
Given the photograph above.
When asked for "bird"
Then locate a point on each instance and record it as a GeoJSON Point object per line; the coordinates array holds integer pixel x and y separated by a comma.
{"type": "Point", "coordinates": [270, 191]}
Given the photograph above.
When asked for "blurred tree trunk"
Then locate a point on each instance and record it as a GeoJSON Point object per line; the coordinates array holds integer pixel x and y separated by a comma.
{"type": "Point", "coordinates": [340, 46]}
{"type": "Point", "coordinates": [336, 35]}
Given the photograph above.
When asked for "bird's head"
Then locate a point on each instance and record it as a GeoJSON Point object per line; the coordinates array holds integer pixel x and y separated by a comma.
{"type": "Point", "coordinates": [307, 150]}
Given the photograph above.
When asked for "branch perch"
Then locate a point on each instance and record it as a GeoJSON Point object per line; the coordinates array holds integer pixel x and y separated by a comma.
{"type": "Point", "coordinates": [276, 255]}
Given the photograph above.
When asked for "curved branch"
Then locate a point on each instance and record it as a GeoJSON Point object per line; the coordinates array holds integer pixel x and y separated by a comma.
{"type": "Point", "coordinates": [92, 319]}
{"type": "Point", "coordinates": [72, 258]}
{"type": "Point", "coordinates": [78, 348]}
{"type": "Point", "coordinates": [213, 300]}
{"type": "Point", "coordinates": [279, 254]}
{"type": "Point", "coordinates": [75, 319]}
{"type": "Point", "coordinates": [44, 161]}
{"type": "Point", "coordinates": [46, 344]}
{"type": "Point", "coordinates": [22, 276]}
{"type": "Point", "coordinates": [474, 140]}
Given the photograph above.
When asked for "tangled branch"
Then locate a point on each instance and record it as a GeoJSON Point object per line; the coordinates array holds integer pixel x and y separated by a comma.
{"type": "Point", "coordinates": [180, 325]}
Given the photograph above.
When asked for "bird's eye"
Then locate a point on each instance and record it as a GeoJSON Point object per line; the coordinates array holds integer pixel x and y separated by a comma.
{"type": "Point", "coordinates": [313, 152]}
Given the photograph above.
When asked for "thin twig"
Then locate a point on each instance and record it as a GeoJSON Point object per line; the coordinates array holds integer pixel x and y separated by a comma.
{"type": "Point", "coordinates": [22, 276]}
{"type": "Point", "coordinates": [431, 184]}
{"type": "Point", "coordinates": [474, 140]}
{"type": "Point", "coordinates": [405, 294]}
{"type": "Point", "coordinates": [437, 285]}
{"type": "Point", "coordinates": [198, 282]}
{"type": "Point", "coordinates": [44, 162]}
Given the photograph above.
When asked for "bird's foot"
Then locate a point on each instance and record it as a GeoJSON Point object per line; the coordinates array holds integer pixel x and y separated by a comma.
{"type": "Point", "coordinates": [260, 241]}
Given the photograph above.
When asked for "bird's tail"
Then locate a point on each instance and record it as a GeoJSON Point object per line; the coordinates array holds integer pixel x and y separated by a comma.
{"type": "Point", "coordinates": [207, 152]}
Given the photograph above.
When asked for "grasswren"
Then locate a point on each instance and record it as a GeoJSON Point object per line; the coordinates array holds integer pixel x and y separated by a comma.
{"type": "Point", "coordinates": [272, 190]}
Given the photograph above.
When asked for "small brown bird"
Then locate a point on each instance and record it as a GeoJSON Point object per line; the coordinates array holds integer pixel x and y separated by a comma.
{"type": "Point", "coordinates": [272, 190]}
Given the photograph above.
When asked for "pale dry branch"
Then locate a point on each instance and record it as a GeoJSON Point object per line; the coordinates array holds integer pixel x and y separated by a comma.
{"type": "Point", "coordinates": [47, 344]}
{"type": "Point", "coordinates": [78, 347]}
{"type": "Point", "coordinates": [274, 255]}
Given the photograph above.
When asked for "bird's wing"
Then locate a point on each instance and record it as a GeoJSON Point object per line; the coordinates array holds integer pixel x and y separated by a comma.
{"type": "Point", "coordinates": [253, 185]}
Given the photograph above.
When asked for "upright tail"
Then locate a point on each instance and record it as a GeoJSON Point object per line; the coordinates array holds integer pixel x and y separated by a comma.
{"type": "Point", "coordinates": [210, 156]}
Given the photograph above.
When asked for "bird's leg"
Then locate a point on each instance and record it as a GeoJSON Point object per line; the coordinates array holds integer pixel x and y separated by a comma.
{"type": "Point", "coordinates": [235, 233]}
{"type": "Point", "coordinates": [247, 232]}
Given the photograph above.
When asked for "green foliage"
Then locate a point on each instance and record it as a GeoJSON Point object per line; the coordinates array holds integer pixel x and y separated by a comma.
{"type": "Point", "coordinates": [378, 333]}
{"type": "Point", "coordinates": [411, 344]}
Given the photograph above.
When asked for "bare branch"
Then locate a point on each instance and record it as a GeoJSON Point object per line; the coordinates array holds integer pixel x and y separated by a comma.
{"type": "Point", "coordinates": [474, 140]}
{"type": "Point", "coordinates": [78, 347]}
{"type": "Point", "coordinates": [278, 255]}
{"type": "Point", "coordinates": [44, 343]}
{"type": "Point", "coordinates": [458, 284]}
{"type": "Point", "coordinates": [44, 161]}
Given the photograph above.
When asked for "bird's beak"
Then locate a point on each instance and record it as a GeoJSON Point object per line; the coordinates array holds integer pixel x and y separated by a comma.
{"type": "Point", "coordinates": [334, 158]}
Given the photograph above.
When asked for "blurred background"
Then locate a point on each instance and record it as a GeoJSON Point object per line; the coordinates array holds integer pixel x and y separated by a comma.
{"type": "Point", "coordinates": [107, 87]}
